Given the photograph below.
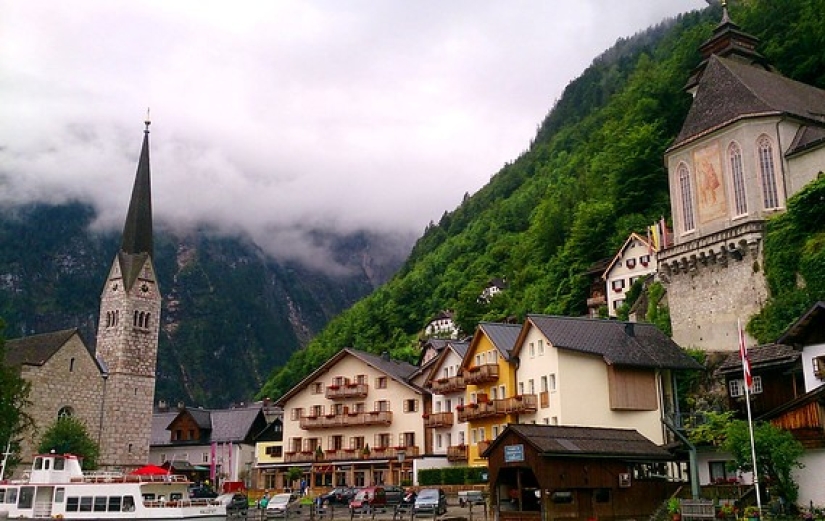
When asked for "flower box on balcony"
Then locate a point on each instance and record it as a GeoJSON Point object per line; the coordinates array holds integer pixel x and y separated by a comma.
{"type": "Point", "coordinates": [443, 380]}
{"type": "Point", "coordinates": [459, 407]}
{"type": "Point", "coordinates": [400, 447]}
{"type": "Point", "coordinates": [331, 451]}
{"type": "Point", "coordinates": [375, 413]}
{"type": "Point", "coordinates": [349, 451]}
{"type": "Point", "coordinates": [334, 387]}
{"type": "Point", "coordinates": [331, 415]}
{"type": "Point", "coordinates": [352, 386]}
{"type": "Point", "coordinates": [518, 397]}
{"type": "Point", "coordinates": [471, 406]}
{"type": "Point", "coordinates": [475, 368]}
{"type": "Point", "coordinates": [425, 415]}
{"type": "Point", "coordinates": [353, 413]}
{"type": "Point", "coordinates": [307, 452]}
{"type": "Point", "coordinates": [290, 453]}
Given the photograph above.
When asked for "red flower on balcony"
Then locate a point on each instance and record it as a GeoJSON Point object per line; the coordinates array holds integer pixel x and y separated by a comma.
{"type": "Point", "coordinates": [352, 385]}
{"type": "Point", "coordinates": [331, 415]}
{"type": "Point", "coordinates": [425, 415]}
{"type": "Point", "coordinates": [471, 406]}
{"type": "Point", "coordinates": [400, 447]}
{"type": "Point", "coordinates": [331, 451]}
{"type": "Point", "coordinates": [475, 368]}
{"type": "Point", "coordinates": [334, 387]}
{"type": "Point", "coordinates": [459, 407]}
{"type": "Point", "coordinates": [442, 380]}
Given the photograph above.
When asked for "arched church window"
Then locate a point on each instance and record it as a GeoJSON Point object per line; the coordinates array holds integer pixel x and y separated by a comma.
{"type": "Point", "coordinates": [136, 319]}
{"type": "Point", "coordinates": [767, 171]}
{"type": "Point", "coordinates": [737, 174]}
{"type": "Point", "coordinates": [686, 198]}
{"type": "Point", "coordinates": [65, 412]}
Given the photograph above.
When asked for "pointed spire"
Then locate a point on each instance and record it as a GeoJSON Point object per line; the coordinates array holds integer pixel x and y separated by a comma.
{"type": "Point", "coordinates": [137, 232]}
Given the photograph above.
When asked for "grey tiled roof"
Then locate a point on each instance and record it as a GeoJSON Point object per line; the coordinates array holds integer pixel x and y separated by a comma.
{"type": "Point", "coordinates": [394, 368]}
{"type": "Point", "coordinates": [460, 347]}
{"type": "Point", "coordinates": [761, 357]}
{"type": "Point", "coordinates": [619, 343]}
{"type": "Point", "coordinates": [730, 90]}
{"type": "Point", "coordinates": [503, 336]}
{"type": "Point", "coordinates": [222, 425]}
{"type": "Point", "coordinates": [806, 137]}
{"type": "Point", "coordinates": [160, 421]}
{"type": "Point", "coordinates": [552, 440]}
{"type": "Point", "coordinates": [37, 349]}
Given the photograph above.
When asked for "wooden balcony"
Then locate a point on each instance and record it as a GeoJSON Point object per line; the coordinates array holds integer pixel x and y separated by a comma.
{"type": "Point", "coordinates": [457, 453]}
{"type": "Point", "coordinates": [596, 301]}
{"type": "Point", "coordinates": [482, 446]}
{"type": "Point", "coordinates": [438, 419]}
{"type": "Point", "coordinates": [342, 392]}
{"type": "Point", "coordinates": [448, 385]}
{"type": "Point", "coordinates": [351, 419]}
{"type": "Point", "coordinates": [520, 404]}
{"type": "Point", "coordinates": [349, 454]}
{"type": "Point", "coordinates": [544, 399]}
{"type": "Point", "coordinates": [480, 374]}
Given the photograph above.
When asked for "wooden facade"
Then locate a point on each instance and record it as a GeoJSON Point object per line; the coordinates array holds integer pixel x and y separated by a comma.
{"type": "Point", "coordinates": [528, 482]}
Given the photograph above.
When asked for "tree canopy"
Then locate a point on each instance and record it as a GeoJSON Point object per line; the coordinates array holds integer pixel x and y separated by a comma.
{"type": "Point", "coordinates": [14, 400]}
{"type": "Point", "coordinates": [68, 435]}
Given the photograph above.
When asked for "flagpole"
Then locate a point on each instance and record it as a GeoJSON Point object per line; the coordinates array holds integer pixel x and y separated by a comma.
{"type": "Point", "coordinates": [743, 353]}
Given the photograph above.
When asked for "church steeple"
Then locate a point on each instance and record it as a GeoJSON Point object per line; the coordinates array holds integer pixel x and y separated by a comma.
{"type": "Point", "coordinates": [137, 232]}
{"type": "Point", "coordinates": [727, 41]}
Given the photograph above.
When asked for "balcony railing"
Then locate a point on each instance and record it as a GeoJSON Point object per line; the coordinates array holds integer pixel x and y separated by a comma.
{"type": "Point", "coordinates": [349, 454]}
{"type": "Point", "coordinates": [482, 446]}
{"type": "Point", "coordinates": [448, 385]}
{"type": "Point", "coordinates": [596, 301]}
{"type": "Point", "coordinates": [519, 404]}
{"type": "Point", "coordinates": [480, 374]}
{"type": "Point", "coordinates": [438, 419]}
{"type": "Point", "coordinates": [544, 399]}
{"type": "Point", "coordinates": [341, 392]}
{"type": "Point", "coordinates": [351, 419]}
{"type": "Point", "coordinates": [457, 453]}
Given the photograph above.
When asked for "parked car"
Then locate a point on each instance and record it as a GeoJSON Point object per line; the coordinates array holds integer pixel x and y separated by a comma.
{"type": "Point", "coordinates": [202, 493]}
{"type": "Point", "coordinates": [339, 496]}
{"type": "Point", "coordinates": [470, 497]}
{"type": "Point", "coordinates": [430, 500]}
{"type": "Point", "coordinates": [235, 502]}
{"type": "Point", "coordinates": [279, 504]}
{"type": "Point", "coordinates": [394, 494]}
{"type": "Point", "coordinates": [369, 496]}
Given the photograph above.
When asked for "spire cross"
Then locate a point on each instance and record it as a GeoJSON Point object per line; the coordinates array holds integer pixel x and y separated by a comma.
{"type": "Point", "coordinates": [148, 121]}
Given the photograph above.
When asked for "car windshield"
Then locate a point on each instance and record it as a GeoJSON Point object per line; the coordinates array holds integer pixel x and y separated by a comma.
{"type": "Point", "coordinates": [428, 493]}
{"type": "Point", "coordinates": [361, 494]}
{"type": "Point", "coordinates": [279, 499]}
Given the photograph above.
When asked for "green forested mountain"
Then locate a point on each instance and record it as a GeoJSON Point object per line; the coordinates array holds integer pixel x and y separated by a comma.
{"type": "Point", "coordinates": [230, 312]}
{"type": "Point", "coordinates": [593, 174]}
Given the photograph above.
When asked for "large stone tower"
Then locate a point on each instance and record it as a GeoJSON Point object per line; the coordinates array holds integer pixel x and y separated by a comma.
{"type": "Point", "coordinates": [127, 336]}
{"type": "Point", "coordinates": [751, 139]}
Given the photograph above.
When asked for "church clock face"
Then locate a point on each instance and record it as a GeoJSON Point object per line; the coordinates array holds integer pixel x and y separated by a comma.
{"type": "Point", "coordinates": [114, 286]}
{"type": "Point", "coordinates": [144, 288]}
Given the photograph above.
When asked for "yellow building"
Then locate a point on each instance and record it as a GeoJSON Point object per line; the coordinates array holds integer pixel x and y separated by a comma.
{"type": "Point", "coordinates": [492, 399]}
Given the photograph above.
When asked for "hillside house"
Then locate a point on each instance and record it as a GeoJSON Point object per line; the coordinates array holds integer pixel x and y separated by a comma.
{"type": "Point", "coordinates": [598, 373]}
{"type": "Point", "coordinates": [493, 288]}
{"type": "Point", "coordinates": [442, 326]}
{"type": "Point", "coordinates": [635, 260]}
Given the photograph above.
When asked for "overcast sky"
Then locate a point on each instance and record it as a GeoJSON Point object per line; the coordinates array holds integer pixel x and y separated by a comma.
{"type": "Point", "coordinates": [273, 117]}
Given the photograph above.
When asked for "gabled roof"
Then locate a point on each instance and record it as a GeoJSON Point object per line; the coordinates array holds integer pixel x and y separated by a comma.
{"type": "Point", "coordinates": [762, 357]}
{"type": "Point", "coordinates": [632, 237]}
{"type": "Point", "coordinates": [459, 347]}
{"type": "Point", "coordinates": [38, 349]}
{"type": "Point", "coordinates": [584, 442]}
{"type": "Point", "coordinates": [805, 139]}
{"type": "Point", "coordinates": [502, 336]}
{"type": "Point", "coordinates": [809, 329]}
{"type": "Point", "coordinates": [618, 343]}
{"type": "Point", "coordinates": [398, 371]}
{"type": "Point", "coordinates": [730, 90]}
{"type": "Point", "coordinates": [221, 425]}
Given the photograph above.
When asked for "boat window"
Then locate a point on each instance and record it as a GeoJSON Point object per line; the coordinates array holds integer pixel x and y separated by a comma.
{"type": "Point", "coordinates": [86, 503]}
{"type": "Point", "coordinates": [59, 464]}
{"type": "Point", "coordinates": [128, 503]}
{"type": "Point", "coordinates": [2, 495]}
{"type": "Point", "coordinates": [38, 463]}
{"type": "Point", "coordinates": [26, 499]}
{"type": "Point", "coordinates": [148, 497]}
{"type": "Point", "coordinates": [100, 503]}
{"type": "Point", "coordinates": [114, 504]}
{"type": "Point", "coordinates": [11, 495]}
{"type": "Point", "coordinates": [175, 496]}
{"type": "Point", "coordinates": [58, 494]}
{"type": "Point", "coordinates": [46, 464]}
{"type": "Point", "coordinates": [72, 504]}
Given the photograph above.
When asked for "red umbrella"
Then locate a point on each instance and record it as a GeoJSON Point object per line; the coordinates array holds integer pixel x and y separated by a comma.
{"type": "Point", "coordinates": [150, 470]}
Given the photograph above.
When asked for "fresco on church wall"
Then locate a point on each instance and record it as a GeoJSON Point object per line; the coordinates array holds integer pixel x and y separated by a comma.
{"type": "Point", "coordinates": [710, 186]}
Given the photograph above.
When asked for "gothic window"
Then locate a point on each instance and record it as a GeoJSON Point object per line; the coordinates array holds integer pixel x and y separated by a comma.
{"type": "Point", "coordinates": [767, 171]}
{"type": "Point", "coordinates": [65, 412]}
{"type": "Point", "coordinates": [740, 201]}
{"type": "Point", "coordinates": [686, 198]}
{"type": "Point", "coordinates": [71, 365]}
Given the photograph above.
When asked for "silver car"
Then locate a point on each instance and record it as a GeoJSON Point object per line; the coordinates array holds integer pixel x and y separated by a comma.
{"type": "Point", "coordinates": [430, 500]}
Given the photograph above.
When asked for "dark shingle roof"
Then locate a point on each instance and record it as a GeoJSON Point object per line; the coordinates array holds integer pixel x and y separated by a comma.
{"type": "Point", "coordinates": [503, 336]}
{"type": "Point", "coordinates": [37, 349]}
{"type": "Point", "coordinates": [222, 425]}
{"type": "Point", "coordinates": [806, 138]}
{"type": "Point", "coordinates": [730, 90]}
{"type": "Point", "coordinates": [761, 357]}
{"type": "Point", "coordinates": [583, 442]}
{"type": "Point", "coordinates": [160, 422]}
{"type": "Point", "coordinates": [619, 343]}
{"type": "Point", "coordinates": [394, 368]}
{"type": "Point", "coordinates": [808, 329]}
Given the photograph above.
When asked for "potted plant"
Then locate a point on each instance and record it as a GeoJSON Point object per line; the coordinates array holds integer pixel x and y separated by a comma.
{"type": "Point", "coordinates": [366, 451]}
{"type": "Point", "coordinates": [673, 508]}
{"type": "Point", "coordinates": [752, 512]}
{"type": "Point", "coordinates": [319, 452]}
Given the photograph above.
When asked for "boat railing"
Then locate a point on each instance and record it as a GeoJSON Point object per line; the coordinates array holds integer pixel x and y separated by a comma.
{"type": "Point", "coordinates": [116, 477]}
{"type": "Point", "coordinates": [180, 503]}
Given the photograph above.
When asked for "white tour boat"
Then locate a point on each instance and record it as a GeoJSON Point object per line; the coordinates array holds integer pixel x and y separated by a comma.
{"type": "Point", "coordinates": [57, 488]}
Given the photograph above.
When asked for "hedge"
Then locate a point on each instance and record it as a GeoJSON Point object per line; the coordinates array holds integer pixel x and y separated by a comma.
{"type": "Point", "coordinates": [451, 476]}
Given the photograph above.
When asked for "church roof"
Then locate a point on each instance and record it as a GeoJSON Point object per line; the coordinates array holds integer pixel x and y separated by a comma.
{"type": "Point", "coordinates": [730, 90]}
{"type": "Point", "coordinates": [137, 243]}
{"type": "Point", "coordinates": [38, 349]}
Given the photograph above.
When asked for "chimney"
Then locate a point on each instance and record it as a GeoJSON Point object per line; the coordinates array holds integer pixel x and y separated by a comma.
{"type": "Point", "coordinates": [181, 406]}
{"type": "Point", "coordinates": [385, 356]}
{"type": "Point", "coordinates": [163, 406]}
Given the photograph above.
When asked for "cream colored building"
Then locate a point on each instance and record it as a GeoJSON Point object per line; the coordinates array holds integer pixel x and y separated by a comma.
{"type": "Point", "coordinates": [448, 437]}
{"type": "Point", "coordinates": [356, 421]}
{"type": "Point", "coordinates": [598, 373]}
{"type": "Point", "coordinates": [635, 260]}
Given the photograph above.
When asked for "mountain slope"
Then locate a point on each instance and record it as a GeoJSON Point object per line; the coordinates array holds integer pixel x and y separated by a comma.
{"type": "Point", "coordinates": [593, 174]}
{"type": "Point", "coordinates": [230, 313]}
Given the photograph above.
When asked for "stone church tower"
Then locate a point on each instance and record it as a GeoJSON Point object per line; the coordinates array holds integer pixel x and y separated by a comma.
{"type": "Point", "coordinates": [127, 337]}
{"type": "Point", "coordinates": [751, 139]}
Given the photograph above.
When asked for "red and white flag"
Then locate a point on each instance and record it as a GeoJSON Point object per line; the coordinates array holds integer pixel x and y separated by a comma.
{"type": "Point", "coordinates": [743, 354]}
